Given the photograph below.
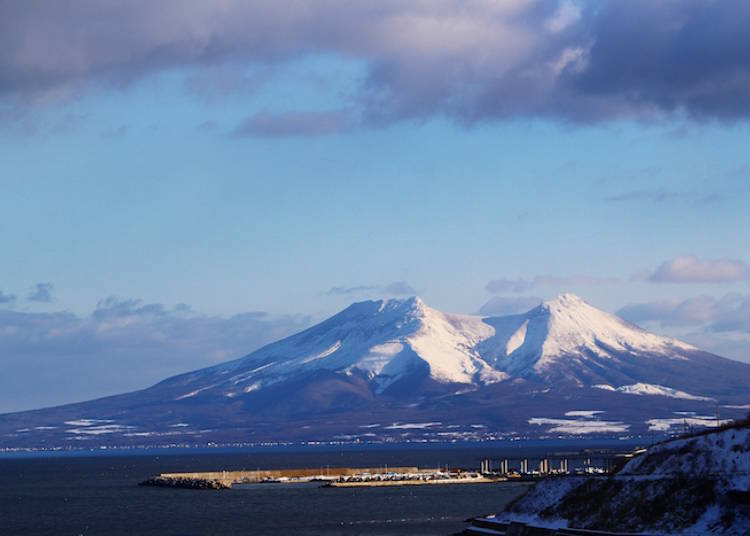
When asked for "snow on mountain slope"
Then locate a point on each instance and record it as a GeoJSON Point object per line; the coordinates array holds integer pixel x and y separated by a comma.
{"type": "Point", "coordinates": [567, 329]}
{"type": "Point", "coordinates": [387, 341]}
{"type": "Point", "coordinates": [448, 344]}
{"type": "Point", "coordinates": [652, 390]}
{"type": "Point", "coordinates": [384, 340]}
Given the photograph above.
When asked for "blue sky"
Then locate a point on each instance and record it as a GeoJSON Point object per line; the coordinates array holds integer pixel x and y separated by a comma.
{"type": "Point", "coordinates": [289, 174]}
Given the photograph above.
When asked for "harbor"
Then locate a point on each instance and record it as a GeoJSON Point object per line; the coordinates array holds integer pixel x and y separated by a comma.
{"type": "Point", "coordinates": [226, 479]}
{"type": "Point", "coordinates": [489, 470]}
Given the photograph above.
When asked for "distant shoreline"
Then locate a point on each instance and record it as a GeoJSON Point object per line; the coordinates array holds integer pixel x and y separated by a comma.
{"type": "Point", "coordinates": [98, 452]}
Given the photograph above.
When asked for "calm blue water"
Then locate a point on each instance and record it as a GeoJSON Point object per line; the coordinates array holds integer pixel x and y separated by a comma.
{"type": "Point", "coordinates": [99, 495]}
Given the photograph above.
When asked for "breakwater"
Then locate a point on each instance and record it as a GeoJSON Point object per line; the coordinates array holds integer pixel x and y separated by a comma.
{"type": "Point", "coordinates": [225, 479]}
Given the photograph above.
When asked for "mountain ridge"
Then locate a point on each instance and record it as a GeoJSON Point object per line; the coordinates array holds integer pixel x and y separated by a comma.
{"type": "Point", "coordinates": [562, 366]}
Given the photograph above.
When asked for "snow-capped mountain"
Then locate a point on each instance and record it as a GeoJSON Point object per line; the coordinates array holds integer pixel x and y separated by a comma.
{"type": "Point", "coordinates": [568, 339]}
{"type": "Point", "coordinates": [568, 327]}
{"type": "Point", "coordinates": [400, 369]}
{"type": "Point", "coordinates": [380, 341]}
{"type": "Point", "coordinates": [388, 341]}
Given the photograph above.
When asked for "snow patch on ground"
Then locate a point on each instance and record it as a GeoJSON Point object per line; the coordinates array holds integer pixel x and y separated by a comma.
{"type": "Point", "coordinates": [724, 454]}
{"type": "Point", "coordinates": [588, 413]}
{"type": "Point", "coordinates": [666, 425]}
{"type": "Point", "coordinates": [412, 425]}
{"type": "Point", "coordinates": [649, 389]}
{"type": "Point", "coordinates": [99, 429]}
{"type": "Point", "coordinates": [194, 392]}
{"type": "Point", "coordinates": [323, 354]}
{"type": "Point", "coordinates": [579, 426]}
{"type": "Point", "coordinates": [87, 422]}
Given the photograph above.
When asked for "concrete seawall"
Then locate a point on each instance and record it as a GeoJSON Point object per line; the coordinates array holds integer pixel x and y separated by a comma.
{"type": "Point", "coordinates": [225, 479]}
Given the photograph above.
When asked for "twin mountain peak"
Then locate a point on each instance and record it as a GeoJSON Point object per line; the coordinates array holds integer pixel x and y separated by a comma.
{"type": "Point", "coordinates": [398, 370]}
{"type": "Point", "coordinates": [392, 342]}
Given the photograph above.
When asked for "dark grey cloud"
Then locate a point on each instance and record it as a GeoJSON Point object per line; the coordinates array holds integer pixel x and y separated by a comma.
{"type": "Point", "coordinates": [42, 292]}
{"type": "Point", "coordinates": [674, 55]}
{"type": "Point", "coordinates": [470, 60]}
{"type": "Point", "coordinates": [297, 123]}
{"type": "Point", "coordinates": [51, 358]}
{"type": "Point", "coordinates": [498, 286]}
{"type": "Point", "coordinates": [730, 312]}
{"type": "Point", "coordinates": [501, 305]}
{"type": "Point", "coordinates": [691, 269]}
{"type": "Point", "coordinates": [7, 298]}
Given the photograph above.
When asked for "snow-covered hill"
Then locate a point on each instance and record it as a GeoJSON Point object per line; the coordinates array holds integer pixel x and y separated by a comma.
{"type": "Point", "coordinates": [399, 369]}
{"type": "Point", "coordinates": [696, 485]}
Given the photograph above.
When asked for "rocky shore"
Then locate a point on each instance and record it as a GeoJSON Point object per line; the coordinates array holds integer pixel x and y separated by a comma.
{"type": "Point", "coordinates": [185, 483]}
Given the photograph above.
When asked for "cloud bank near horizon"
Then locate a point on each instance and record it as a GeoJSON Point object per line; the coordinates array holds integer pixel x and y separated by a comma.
{"type": "Point", "coordinates": [123, 345]}
{"type": "Point", "coordinates": [730, 312]}
{"type": "Point", "coordinates": [471, 61]}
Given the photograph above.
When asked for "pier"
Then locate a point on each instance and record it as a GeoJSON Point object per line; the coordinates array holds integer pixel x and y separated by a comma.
{"type": "Point", "coordinates": [225, 479]}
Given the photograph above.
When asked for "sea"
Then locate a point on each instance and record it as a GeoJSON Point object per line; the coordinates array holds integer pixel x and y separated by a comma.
{"type": "Point", "coordinates": [97, 492]}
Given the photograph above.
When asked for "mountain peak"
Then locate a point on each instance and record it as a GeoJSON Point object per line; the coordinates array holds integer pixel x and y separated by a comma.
{"type": "Point", "coordinates": [408, 308]}
{"type": "Point", "coordinates": [412, 302]}
{"type": "Point", "coordinates": [566, 299]}
{"type": "Point", "coordinates": [567, 335]}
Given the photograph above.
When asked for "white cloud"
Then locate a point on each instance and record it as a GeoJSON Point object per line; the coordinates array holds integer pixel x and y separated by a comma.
{"type": "Point", "coordinates": [691, 269]}
{"type": "Point", "coordinates": [730, 312]}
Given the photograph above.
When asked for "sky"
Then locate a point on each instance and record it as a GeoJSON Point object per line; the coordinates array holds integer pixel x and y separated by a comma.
{"type": "Point", "coordinates": [185, 181]}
